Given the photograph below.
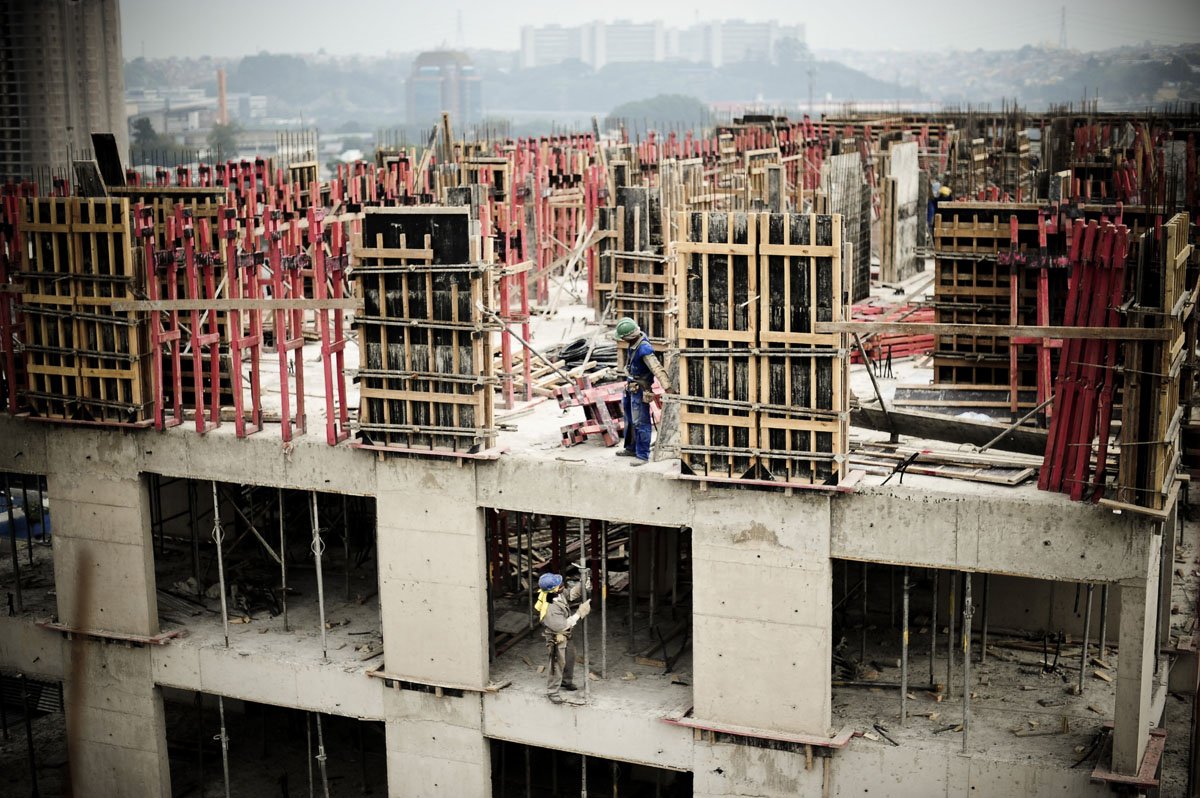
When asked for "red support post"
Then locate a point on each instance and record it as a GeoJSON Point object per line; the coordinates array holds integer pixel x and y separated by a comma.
{"type": "Point", "coordinates": [328, 283]}
{"type": "Point", "coordinates": [165, 332]}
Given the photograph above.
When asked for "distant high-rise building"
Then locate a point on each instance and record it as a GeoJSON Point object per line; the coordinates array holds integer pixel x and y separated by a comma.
{"type": "Point", "coordinates": [60, 81]}
{"type": "Point", "coordinates": [713, 43]}
{"type": "Point", "coordinates": [444, 81]}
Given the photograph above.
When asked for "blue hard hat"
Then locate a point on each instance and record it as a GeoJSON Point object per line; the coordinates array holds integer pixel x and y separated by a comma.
{"type": "Point", "coordinates": [549, 582]}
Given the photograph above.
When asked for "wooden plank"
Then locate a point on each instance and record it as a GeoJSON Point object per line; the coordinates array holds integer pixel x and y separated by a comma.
{"type": "Point", "coordinates": [1028, 331]}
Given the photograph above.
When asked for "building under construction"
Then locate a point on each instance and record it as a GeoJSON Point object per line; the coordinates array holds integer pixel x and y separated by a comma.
{"type": "Point", "coordinates": [285, 458]}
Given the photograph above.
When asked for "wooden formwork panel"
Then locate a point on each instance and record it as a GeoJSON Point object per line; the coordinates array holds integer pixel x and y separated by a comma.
{"type": "Point", "coordinates": [984, 228]}
{"type": "Point", "coordinates": [718, 277]}
{"type": "Point", "coordinates": [1152, 416]}
{"type": "Point", "coordinates": [199, 202]}
{"type": "Point", "coordinates": [84, 359]}
{"type": "Point", "coordinates": [761, 394]}
{"type": "Point", "coordinates": [426, 380]}
{"type": "Point", "coordinates": [718, 389]}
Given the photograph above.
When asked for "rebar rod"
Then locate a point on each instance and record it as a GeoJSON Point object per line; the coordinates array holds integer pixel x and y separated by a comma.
{"type": "Point", "coordinates": [318, 548]}
{"type": "Point", "coordinates": [346, 544]}
{"type": "Point", "coordinates": [653, 575]}
{"type": "Point", "coordinates": [218, 536]}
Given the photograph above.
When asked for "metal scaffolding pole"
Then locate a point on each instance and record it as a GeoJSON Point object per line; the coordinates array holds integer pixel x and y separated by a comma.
{"type": "Point", "coordinates": [29, 723]}
{"type": "Point", "coordinates": [904, 653]}
{"type": "Point", "coordinates": [584, 575]}
{"type": "Point", "coordinates": [632, 585]}
{"type": "Point", "coordinates": [28, 531]}
{"type": "Point", "coordinates": [950, 637]}
{"type": "Point", "coordinates": [308, 744]}
{"type": "Point", "coordinates": [321, 757]}
{"type": "Point", "coordinates": [346, 544]}
{"type": "Point", "coordinates": [653, 579]}
{"type": "Point", "coordinates": [194, 524]}
{"type": "Point", "coordinates": [1087, 630]}
{"type": "Point", "coordinates": [604, 600]}
{"type": "Point", "coordinates": [318, 548]}
{"type": "Point", "coordinates": [987, 592]}
{"type": "Point", "coordinates": [583, 776]}
{"type": "Point", "coordinates": [528, 524]}
{"type": "Point", "coordinates": [12, 544]}
{"type": "Point", "coordinates": [968, 612]}
{"type": "Point", "coordinates": [1104, 621]}
{"type": "Point", "coordinates": [933, 629]}
{"type": "Point", "coordinates": [218, 536]}
{"type": "Point", "coordinates": [224, 738]}
{"type": "Point", "coordinates": [862, 657]}
{"type": "Point", "coordinates": [283, 563]}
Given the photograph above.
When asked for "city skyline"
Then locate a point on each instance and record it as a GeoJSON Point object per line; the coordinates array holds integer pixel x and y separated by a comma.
{"type": "Point", "coordinates": [147, 25]}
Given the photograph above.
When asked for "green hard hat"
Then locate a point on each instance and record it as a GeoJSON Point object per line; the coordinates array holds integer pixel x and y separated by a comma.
{"type": "Point", "coordinates": [625, 328]}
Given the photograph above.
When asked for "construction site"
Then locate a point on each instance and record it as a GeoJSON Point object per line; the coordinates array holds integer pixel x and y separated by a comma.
{"type": "Point", "coordinates": [288, 456]}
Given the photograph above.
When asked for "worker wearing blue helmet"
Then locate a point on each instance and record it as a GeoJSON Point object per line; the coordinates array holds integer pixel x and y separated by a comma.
{"type": "Point", "coordinates": [558, 620]}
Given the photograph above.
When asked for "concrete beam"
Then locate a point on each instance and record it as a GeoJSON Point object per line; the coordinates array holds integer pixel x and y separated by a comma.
{"type": "Point", "coordinates": [1022, 533]}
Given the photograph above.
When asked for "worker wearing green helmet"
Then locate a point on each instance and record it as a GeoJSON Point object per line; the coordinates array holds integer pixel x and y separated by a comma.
{"type": "Point", "coordinates": [641, 366]}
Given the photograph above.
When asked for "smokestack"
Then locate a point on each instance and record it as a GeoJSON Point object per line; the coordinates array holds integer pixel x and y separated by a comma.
{"type": "Point", "coordinates": [222, 108]}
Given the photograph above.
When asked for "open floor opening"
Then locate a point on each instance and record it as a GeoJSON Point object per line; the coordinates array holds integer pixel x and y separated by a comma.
{"type": "Point", "coordinates": [26, 555]}
{"type": "Point", "coordinates": [635, 644]}
{"type": "Point", "coordinates": [278, 572]}
{"type": "Point", "coordinates": [521, 771]}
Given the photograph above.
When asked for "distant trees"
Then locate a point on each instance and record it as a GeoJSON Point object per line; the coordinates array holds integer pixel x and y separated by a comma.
{"type": "Point", "coordinates": [222, 139]}
{"type": "Point", "coordinates": [148, 146]}
{"type": "Point", "coordinates": [662, 110]}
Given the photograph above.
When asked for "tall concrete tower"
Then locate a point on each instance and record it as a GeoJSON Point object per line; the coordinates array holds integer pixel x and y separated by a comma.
{"type": "Point", "coordinates": [60, 80]}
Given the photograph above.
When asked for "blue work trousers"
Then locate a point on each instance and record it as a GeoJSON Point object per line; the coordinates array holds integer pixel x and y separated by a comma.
{"type": "Point", "coordinates": [637, 422]}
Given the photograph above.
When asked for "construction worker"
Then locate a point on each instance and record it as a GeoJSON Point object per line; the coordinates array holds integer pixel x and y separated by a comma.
{"type": "Point", "coordinates": [641, 366]}
{"type": "Point", "coordinates": [554, 610]}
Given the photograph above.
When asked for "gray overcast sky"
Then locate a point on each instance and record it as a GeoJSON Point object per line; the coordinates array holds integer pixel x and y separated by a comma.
{"type": "Point", "coordinates": [161, 28]}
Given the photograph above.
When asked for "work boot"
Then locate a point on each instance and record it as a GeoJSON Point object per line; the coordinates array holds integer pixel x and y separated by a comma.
{"type": "Point", "coordinates": [568, 686]}
{"type": "Point", "coordinates": [626, 453]}
{"type": "Point", "coordinates": [555, 698]}
{"type": "Point", "coordinates": [638, 462]}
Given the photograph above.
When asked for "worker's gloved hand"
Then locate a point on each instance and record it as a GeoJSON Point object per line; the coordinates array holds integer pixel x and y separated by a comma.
{"type": "Point", "coordinates": [585, 609]}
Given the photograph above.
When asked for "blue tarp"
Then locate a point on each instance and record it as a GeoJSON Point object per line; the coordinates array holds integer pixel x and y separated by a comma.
{"type": "Point", "coordinates": [40, 527]}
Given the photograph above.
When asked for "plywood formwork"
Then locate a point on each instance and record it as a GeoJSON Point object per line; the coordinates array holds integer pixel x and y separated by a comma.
{"type": "Point", "coordinates": [1152, 417]}
{"type": "Point", "coordinates": [761, 395]}
{"type": "Point", "coordinates": [425, 331]}
{"type": "Point", "coordinates": [85, 360]}
{"type": "Point", "coordinates": [848, 195]}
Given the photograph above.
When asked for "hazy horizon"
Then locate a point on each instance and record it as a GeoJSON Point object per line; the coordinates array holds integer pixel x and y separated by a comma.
{"type": "Point", "coordinates": [234, 28]}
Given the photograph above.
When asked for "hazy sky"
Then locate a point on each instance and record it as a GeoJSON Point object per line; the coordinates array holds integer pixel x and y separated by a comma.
{"type": "Point", "coordinates": [160, 28]}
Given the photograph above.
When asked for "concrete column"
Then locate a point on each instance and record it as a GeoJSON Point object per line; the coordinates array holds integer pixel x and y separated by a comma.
{"type": "Point", "coordinates": [1166, 575]}
{"type": "Point", "coordinates": [104, 577]}
{"type": "Point", "coordinates": [431, 575]}
{"type": "Point", "coordinates": [1135, 666]}
{"type": "Point", "coordinates": [763, 614]}
{"type": "Point", "coordinates": [435, 746]}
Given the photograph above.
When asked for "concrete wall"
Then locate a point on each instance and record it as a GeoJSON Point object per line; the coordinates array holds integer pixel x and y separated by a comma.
{"type": "Point", "coordinates": [762, 615]}
{"type": "Point", "coordinates": [435, 746]}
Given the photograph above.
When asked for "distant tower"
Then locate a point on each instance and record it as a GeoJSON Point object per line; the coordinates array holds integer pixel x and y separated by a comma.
{"type": "Point", "coordinates": [1062, 30]}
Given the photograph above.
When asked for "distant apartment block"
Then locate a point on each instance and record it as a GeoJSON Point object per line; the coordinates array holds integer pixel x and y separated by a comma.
{"type": "Point", "coordinates": [713, 43]}
{"type": "Point", "coordinates": [60, 80]}
{"type": "Point", "coordinates": [444, 81]}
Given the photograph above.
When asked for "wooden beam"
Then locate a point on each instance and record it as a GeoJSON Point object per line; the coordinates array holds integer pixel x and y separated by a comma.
{"type": "Point", "coordinates": [1021, 331]}
{"type": "Point", "coordinates": [348, 303]}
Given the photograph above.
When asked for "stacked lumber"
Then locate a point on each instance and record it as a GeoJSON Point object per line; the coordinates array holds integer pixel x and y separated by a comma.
{"type": "Point", "coordinates": [886, 346]}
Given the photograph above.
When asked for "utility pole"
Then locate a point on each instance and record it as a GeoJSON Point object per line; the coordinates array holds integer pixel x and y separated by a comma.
{"type": "Point", "coordinates": [811, 71]}
{"type": "Point", "coordinates": [1062, 30]}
